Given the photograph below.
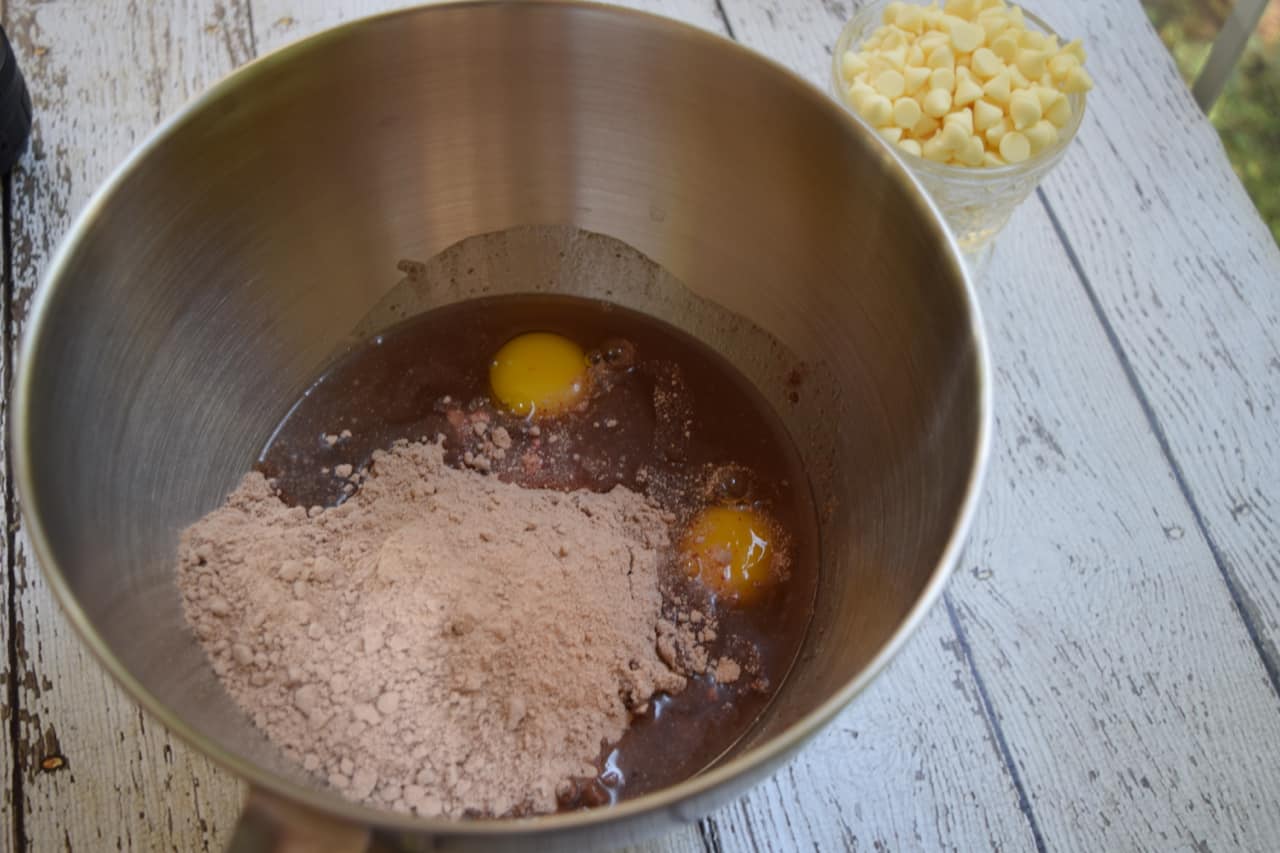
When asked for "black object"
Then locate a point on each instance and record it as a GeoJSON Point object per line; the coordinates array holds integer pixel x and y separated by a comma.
{"type": "Point", "coordinates": [15, 107]}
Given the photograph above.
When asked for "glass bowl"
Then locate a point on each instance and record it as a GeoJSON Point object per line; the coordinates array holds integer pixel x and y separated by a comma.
{"type": "Point", "coordinates": [976, 201]}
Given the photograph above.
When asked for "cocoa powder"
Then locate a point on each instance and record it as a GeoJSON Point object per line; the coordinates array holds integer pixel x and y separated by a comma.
{"type": "Point", "coordinates": [442, 642]}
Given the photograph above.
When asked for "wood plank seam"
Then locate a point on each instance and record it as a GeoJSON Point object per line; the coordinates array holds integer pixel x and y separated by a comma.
{"type": "Point", "coordinates": [724, 19]}
{"type": "Point", "coordinates": [1239, 598]}
{"type": "Point", "coordinates": [253, 32]}
{"type": "Point", "coordinates": [11, 603]}
{"type": "Point", "coordinates": [993, 721]}
{"type": "Point", "coordinates": [709, 833]}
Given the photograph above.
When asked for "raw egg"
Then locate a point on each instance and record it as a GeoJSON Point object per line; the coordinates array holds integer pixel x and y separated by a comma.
{"type": "Point", "coordinates": [539, 373]}
{"type": "Point", "coordinates": [730, 550]}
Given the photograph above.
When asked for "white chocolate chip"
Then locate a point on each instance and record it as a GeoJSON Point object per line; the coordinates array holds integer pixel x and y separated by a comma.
{"type": "Point", "coordinates": [984, 63]}
{"type": "Point", "coordinates": [896, 57]}
{"type": "Point", "coordinates": [963, 118]}
{"type": "Point", "coordinates": [1047, 97]}
{"type": "Point", "coordinates": [967, 92]}
{"type": "Point", "coordinates": [890, 83]}
{"type": "Point", "coordinates": [986, 114]}
{"type": "Point", "coordinates": [916, 78]}
{"type": "Point", "coordinates": [1005, 46]}
{"type": "Point", "coordinates": [1077, 81]}
{"type": "Point", "coordinates": [1060, 113]}
{"type": "Point", "coordinates": [933, 149]}
{"type": "Point", "coordinates": [953, 137]}
{"type": "Point", "coordinates": [966, 37]}
{"type": "Point", "coordinates": [997, 131]}
{"type": "Point", "coordinates": [1014, 147]}
{"type": "Point", "coordinates": [906, 112]}
{"type": "Point", "coordinates": [1024, 109]}
{"type": "Point", "coordinates": [1031, 63]}
{"type": "Point", "coordinates": [1031, 39]}
{"type": "Point", "coordinates": [851, 65]}
{"type": "Point", "coordinates": [942, 57]}
{"type": "Point", "coordinates": [937, 103]}
{"type": "Point", "coordinates": [877, 109]}
{"type": "Point", "coordinates": [1043, 135]}
{"type": "Point", "coordinates": [1062, 64]}
{"type": "Point", "coordinates": [973, 152]}
{"type": "Point", "coordinates": [893, 134]}
{"type": "Point", "coordinates": [858, 94]}
{"type": "Point", "coordinates": [926, 127]}
{"type": "Point", "coordinates": [911, 18]}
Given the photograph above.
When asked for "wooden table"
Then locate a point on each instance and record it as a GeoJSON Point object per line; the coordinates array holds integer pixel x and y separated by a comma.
{"type": "Point", "coordinates": [1104, 671]}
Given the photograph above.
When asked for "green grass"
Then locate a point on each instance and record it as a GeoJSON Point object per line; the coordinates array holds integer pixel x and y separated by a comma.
{"type": "Point", "coordinates": [1247, 115]}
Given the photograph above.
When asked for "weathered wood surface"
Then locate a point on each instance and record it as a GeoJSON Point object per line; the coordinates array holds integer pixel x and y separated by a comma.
{"type": "Point", "coordinates": [1185, 274]}
{"type": "Point", "coordinates": [8, 705]}
{"type": "Point", "coordinates": [101, 75]}
{"type": "Point", "coordinates": [1104, 634]}
{"type": "Point", "coordinates": [1089, 682]}
{"type": "Point", "coordinates": [9, 683]}
{"type": "Point", "coordinates": [1098, 621]}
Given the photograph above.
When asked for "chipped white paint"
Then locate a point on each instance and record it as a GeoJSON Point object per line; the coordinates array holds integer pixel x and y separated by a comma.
{"type": "Point", "coordinates": [1118, 700]}
{"type": "Point", "coordinates": [1189, 278]}
{"type": "Point", "coordinates": [912, 764]}
{"type": "Point", "coordinates": [8, 683]}
{"type": "Point", "coordinates": [101, 75]}
{"type": "Point", "coordinates": [1132, 697]}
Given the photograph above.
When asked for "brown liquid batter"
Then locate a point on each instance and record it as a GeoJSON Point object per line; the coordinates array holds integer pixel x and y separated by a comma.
{"type": "Point", "coordinates": [673, 420]}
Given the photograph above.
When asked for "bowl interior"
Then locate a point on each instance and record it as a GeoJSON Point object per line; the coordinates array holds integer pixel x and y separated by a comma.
{"type": "Point", "coordinates": [261, 231]}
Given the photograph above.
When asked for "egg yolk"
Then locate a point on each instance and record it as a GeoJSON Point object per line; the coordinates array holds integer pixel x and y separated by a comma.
{"type": "Point", "coordinates": [728, 549]}
{"type": "Point", "coordinates": [538, 374]}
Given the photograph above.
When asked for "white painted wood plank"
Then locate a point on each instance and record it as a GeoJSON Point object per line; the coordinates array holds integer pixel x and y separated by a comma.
{"type": "Point", "coordinates": [686, 840]}
{"type": "Point", "coordinates": [912, 764]}
{"type": "Point", "coordinates": [101, 75]}
{"type": "Point", "coordinates": [1130, 693]}
{"type": "Point", "coordinates": [1127, 689]}
{"type": "Point", "coordinates": [8, 827]}
{"type": "Point", "coordinates": [7, 683]}
{"type": "Point", "coordinates": [8, 795]}
{"type": "Point", "coordinates": [1189, 277]}
{"type": "Point", "coordinates": [278, 22]}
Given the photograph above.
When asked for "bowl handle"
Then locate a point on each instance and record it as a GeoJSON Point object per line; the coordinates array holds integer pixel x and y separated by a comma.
{"type": "Point", "coordinates": [270, 824]}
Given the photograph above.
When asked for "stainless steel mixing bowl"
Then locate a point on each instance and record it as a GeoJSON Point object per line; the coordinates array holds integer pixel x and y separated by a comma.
{"type": "Point", "coordinates": [234, 253]}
